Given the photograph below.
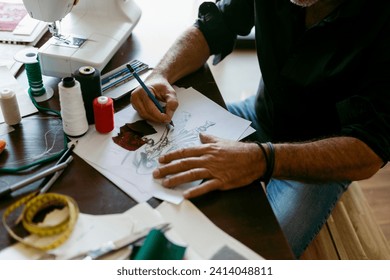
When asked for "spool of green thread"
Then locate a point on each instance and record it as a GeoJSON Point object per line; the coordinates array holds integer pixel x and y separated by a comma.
{"type": "Point", "coordinates": [37, 89]}
{"type": "Point", "coordinates": [34, 76]}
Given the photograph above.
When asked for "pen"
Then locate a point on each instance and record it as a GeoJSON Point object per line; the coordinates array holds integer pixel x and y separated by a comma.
{"type": "Point", "coordinates": [62, 159]}
{"type": "Point", "coordinates": [53, 178]}
{"type": "Point", "coordinates": [67, 153]}
{"type": "Point", "coordinates": [34, 178]}
{"type": "Point", "coordinates": [151, 96]}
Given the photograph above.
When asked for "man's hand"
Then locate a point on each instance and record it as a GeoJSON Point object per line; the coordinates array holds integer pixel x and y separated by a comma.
{"type": "Point", "coordinates": [224, 164]}
{"type": "Point", "coordinates": [164, 92]}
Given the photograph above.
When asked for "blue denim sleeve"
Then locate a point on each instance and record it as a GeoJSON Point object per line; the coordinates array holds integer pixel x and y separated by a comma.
{"type": "Point", "coordinates": [221, 22]}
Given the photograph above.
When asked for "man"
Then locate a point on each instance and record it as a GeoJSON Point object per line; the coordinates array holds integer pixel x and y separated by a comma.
{"type": "Point", "coordinates": [323, 103]}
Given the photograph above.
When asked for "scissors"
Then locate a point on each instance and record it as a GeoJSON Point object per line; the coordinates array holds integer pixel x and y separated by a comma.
{"type": "Point", "coordinates": [126, 242]}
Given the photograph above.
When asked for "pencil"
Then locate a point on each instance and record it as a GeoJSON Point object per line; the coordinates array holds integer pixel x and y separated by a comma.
{"type": "Point", "coordinates": [66, 154]}
{"type": "Point", "coordinates": [55, 176]}
{"type": "Point", "coordinates": [146, 89]}
{"type": "Point", "coordinates": [62, 159]}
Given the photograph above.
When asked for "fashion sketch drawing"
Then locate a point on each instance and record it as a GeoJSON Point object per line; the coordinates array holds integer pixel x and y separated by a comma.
{"type": "Point", "coordinates": [145, 158]}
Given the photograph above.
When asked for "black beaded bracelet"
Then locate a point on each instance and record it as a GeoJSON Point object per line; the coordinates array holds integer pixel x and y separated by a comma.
{"type": "Point", "coordinates": [269, 159]}
{"type": "Point", "coordinates": [271, 162]}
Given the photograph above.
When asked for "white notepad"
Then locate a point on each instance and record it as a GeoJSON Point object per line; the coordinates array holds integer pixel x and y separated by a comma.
{"type": "Point", "coordinates": [19, 28]}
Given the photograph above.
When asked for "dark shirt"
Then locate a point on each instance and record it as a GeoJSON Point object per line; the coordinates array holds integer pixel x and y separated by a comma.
{"type": "Point", "coordinates": [332, 79]}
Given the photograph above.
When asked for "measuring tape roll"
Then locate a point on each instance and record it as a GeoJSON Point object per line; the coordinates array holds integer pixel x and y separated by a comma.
{"type": "Point", "coordinates": [33, 204]}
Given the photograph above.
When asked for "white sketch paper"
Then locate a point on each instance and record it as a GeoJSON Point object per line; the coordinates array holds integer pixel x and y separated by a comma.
{"type": "Point", "coordinates": [132, 170]}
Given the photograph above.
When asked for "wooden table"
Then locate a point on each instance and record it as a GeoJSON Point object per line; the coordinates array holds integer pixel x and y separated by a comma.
{"type": "Point", "coordinates": [243, 213]}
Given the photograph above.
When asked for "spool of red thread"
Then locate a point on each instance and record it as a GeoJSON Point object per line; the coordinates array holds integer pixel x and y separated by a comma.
{"type": "Point", "coordinates": [103, 110]}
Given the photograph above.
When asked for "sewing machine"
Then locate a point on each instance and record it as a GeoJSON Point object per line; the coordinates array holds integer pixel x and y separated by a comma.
{"type": "Point", "coordinates": [84, 33]}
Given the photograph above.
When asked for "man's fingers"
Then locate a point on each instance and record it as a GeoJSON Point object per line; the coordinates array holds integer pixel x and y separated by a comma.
{"type": "Point", "coordinates": [177, 167]}
{"type": "Point", "coordinates": [182, 154]}
{"type": "Point", "coordinates": [202, 189]}
{"type": "Point", "coordinates": [207, 138]}
{"type": "Point", "coordinates": [171, 105]}
{"type": "Point", "coordinates": [149, 111]}
{"type": "Point", "coordinates": [170, 101]}
{"type": "Point", "coordinates": [185, 177]}
{"type": "Point", "coordinates": [141, 103]}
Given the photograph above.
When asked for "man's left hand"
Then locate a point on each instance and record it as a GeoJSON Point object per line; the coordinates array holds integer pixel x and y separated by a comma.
{"type": "Point", "coordinates": [224, 164]}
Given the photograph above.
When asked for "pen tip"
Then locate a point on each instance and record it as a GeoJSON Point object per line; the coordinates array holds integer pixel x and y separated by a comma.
{"type": "Point", "coordinates": [129, 67]}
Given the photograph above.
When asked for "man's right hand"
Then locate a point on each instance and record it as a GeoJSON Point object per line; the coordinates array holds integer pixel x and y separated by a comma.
{"type": "Point", "coordinates": [164, 93]}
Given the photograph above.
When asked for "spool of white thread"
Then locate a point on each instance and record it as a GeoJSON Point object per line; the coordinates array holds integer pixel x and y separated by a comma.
{"type": "Point", "coordinates": [9, 106]}
{"type": "Point", "coordinates": [74, 118]}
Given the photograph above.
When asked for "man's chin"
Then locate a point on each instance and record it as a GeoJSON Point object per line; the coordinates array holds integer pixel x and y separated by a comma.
{"type": "Point", "coordinates": [304, 3]}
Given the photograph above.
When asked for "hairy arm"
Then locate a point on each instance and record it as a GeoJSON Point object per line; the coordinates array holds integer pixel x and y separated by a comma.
{"type": "Point", "coordinates": [186, 55]}
{"type": "Point", "coordinates": [337, 158]}
{"type": "Point", "coordinates": [189, 52]}
{"type": "Point", "coordinates": [228, 164]}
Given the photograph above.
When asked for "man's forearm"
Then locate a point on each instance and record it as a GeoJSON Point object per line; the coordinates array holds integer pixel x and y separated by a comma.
{"type": "Point", "coordinates": [186, 55]}
{"type": "Point", "coordinates": [338, 158]}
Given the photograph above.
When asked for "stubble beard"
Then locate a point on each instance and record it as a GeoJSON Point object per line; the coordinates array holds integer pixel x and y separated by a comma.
{"type": "Point", "coordinates": [304, 3]}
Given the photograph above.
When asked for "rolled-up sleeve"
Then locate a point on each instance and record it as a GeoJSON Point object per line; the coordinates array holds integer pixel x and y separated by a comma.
{"type": "Point", "coordinates": [361, 119]}
{"type": "Point", "coordinates": [221, 22]}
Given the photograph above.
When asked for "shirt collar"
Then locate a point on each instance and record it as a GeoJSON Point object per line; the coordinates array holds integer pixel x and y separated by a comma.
{"type": "Point", "coordinates": [347, 9]}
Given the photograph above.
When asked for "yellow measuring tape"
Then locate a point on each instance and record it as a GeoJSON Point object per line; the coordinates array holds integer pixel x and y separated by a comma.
{"type": "Point", "coordinates": [32, 205]}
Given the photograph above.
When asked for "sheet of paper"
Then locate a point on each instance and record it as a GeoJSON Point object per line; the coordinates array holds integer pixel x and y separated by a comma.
{"type": "Point", "coordinates": [7, 52]}
{"type": "Point", "coordinates": [188, 227]}
{"type": "Point", "coordinates": [201, 235]}
{"type": "Point", "coordinates": [7, 80]}
{"type": "Point", "coordinates": [128, 187]}
{"type": "Point", "coordinates": [5, 129]}
{"type": "Point", "coordinates": [132, 170]}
